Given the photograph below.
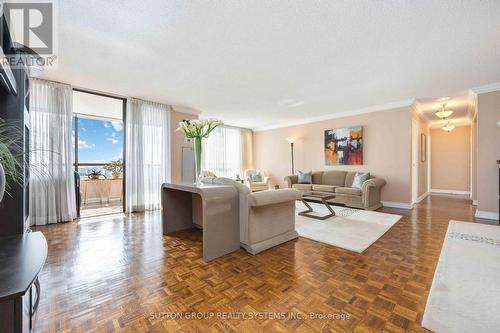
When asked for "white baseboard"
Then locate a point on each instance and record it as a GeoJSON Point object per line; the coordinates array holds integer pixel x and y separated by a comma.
{"type": "Point", "coordinates": [422, 197]}
{"type": "Point", "coordinates": [450, 192]}
{"type": "Point", "coordinates": [474, 202]}
{"type": "Point", "coordinates": [481, 214]}
{"type": "Point", "coordinates": [395, 204]}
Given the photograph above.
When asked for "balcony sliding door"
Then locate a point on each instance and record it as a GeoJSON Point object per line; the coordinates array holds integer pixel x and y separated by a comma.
{"type": "Point", "coordinates": [98, 145]}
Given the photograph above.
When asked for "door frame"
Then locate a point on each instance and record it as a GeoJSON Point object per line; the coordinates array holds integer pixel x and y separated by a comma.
{"type": "Point", "coordinates": [124, 118]}
{"type": "Point", "coordinates": [414, 160]}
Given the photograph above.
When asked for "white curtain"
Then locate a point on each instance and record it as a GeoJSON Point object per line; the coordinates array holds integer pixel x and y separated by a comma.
{"type": "Point", "coordinates": [222, 152]}
{"type": "Point", "coordinates": [52, 186]}
{"type": "Point", "coordinates": [147, 154]}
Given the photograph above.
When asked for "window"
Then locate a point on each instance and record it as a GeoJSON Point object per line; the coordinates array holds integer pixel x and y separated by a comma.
{"type": "Point", "coordinates": [222, 152]}
{"type": "Point", "coordinates": [96, 142]}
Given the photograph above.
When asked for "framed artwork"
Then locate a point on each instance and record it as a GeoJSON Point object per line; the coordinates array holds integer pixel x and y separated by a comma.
{"type": "Point", "coordinates": [423, 147]}
{"type": "Point", "coordinates": [344, 146]}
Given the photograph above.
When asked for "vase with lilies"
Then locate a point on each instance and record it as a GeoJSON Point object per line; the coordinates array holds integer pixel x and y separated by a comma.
{"type": "Point", "coordinates": [198, 130]}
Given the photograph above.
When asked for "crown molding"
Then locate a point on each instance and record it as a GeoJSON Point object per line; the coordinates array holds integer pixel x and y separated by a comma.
{"type": "Point", "coordinates": [417, 107]}
{"type": "Point", "coordinates": [420, 114]}
{"type": "Point", "coordinates": [472, 106]}
{"type": "Point", "coordinates": [342, 114]}
{"type": "Point", "coordinates": [486, 88]}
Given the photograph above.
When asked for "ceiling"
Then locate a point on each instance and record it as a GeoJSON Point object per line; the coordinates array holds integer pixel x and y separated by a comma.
{"type": "Point", "coordinates": [257, 64]}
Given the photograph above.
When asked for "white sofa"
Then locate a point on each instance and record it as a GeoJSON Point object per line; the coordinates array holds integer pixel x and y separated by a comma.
{"type": "Point", "coordinates": [267, 218]}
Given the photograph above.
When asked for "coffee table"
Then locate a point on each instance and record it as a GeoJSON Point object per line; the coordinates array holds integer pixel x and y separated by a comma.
{"type": "Point", "coordinates": [323, 196]}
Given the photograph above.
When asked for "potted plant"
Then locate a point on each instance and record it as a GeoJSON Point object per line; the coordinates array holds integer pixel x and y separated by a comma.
{"type": "Point", "coordinates": [197, 130]}
{"type": "Point", "coordinates": [116, 168]}
{"type": "Point", "coordinates": [95, 174]}
{"type": "Point", "coordinates": [10, 162]}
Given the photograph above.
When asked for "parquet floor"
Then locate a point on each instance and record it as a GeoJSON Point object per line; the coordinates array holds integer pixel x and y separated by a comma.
{"type": "Point", "coordinates": [121, 275]}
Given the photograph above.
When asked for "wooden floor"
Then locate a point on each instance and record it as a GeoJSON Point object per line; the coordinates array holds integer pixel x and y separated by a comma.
{"type": "Point", "coordinates": [121, 275]}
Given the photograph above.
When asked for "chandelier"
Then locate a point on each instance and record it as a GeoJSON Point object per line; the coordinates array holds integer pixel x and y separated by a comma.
{"type": "Point", "coordinates": [443, 113]}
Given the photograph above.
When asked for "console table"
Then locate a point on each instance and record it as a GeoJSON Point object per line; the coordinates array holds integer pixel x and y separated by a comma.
{"type": "Point", "coordinates": [213, 208]}
{"type": "Point", "coordinates": [21, 259]}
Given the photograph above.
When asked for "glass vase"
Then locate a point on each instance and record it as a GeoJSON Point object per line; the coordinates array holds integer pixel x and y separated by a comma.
{"type": "Point", "coordinates": [197, 160]}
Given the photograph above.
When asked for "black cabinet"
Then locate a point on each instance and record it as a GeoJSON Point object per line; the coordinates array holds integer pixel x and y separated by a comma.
{"type": "Point", "coordinates": [14, 109]}
{"type": "Point", "coordinates": [21, 259]}
{"type": "Point", "coordinates": [22, 255]}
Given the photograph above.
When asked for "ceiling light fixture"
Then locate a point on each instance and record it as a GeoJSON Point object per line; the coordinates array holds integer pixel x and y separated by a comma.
{"type": "Point", "coordinates": [291, 103]}
{"type": "Point", "coordinates": [444, 113]}
{"type": "Point", "coordinates": [448, 127]}
{"type": "Point", "coordinates": [295, 104]}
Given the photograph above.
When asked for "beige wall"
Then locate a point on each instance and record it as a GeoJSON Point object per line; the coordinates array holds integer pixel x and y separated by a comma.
{"type": "Point", "coordinates": [176, 143]}
{"type": "Point", "coordinates": [450, 159]}
{"type": "Point", "coordinates": [488, 146]}
{"type": "Point", "coordinates": [386, 152]}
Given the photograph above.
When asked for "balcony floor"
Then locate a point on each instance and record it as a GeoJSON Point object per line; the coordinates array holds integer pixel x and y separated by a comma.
{"type": "Point", "coordinates": [98, 209]}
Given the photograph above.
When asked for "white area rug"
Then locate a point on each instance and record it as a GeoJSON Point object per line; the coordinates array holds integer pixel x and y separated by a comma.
{"type": "Point", "coordinates": [465, 292]}
{"type": "Point", "coordinates": [351, 229]}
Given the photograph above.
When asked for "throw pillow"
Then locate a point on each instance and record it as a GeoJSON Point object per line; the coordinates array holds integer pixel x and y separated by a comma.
{"type": "Point", "coordinates": [359, 179]}
{"type": "Point", "coordinates": [256, 177]}
{"type": "Point", "coordinates": [305, 177]}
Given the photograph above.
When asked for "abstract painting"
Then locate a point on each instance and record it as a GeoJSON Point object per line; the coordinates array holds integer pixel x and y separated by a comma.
{"type": "Point", "coordinates": [344, 146]}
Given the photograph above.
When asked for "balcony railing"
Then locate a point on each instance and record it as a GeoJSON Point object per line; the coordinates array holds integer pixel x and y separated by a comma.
{"type": "Point", "coordinates": [102, 190]}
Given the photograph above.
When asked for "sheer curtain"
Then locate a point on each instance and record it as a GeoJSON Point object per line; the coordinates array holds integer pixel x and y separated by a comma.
{"type": "Point", "coordinates": [52, 186]}
{"type": "Point", "coordinates": [222, 152]}
{"type": "Point", "coordinates": [147, 154]}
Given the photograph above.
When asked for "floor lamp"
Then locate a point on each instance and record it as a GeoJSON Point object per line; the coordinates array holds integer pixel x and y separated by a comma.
{"type": "Point", "coordinates": [292, 140]}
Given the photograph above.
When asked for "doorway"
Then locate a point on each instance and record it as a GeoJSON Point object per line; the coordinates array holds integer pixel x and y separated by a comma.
{"type": "Point", "coordinates": [98, 152]}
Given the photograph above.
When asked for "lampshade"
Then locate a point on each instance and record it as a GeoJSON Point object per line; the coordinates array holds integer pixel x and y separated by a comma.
{"type": "Point", "coordinates": [291, 140]}
{"type": "Point", "coordinates": [448, 127]}
{"type": "Point", "coordinates": [444, 113]}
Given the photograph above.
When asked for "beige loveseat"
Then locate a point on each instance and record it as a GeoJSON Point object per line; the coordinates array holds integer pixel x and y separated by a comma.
{"type": "Point", "coordinates": [267, 218]}
{"type": "Point", "coordinates": [339, 182]}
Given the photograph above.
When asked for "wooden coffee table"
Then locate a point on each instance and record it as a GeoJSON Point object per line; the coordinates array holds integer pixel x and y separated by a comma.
{"type": "Point", "coordinates": [323, 196]}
